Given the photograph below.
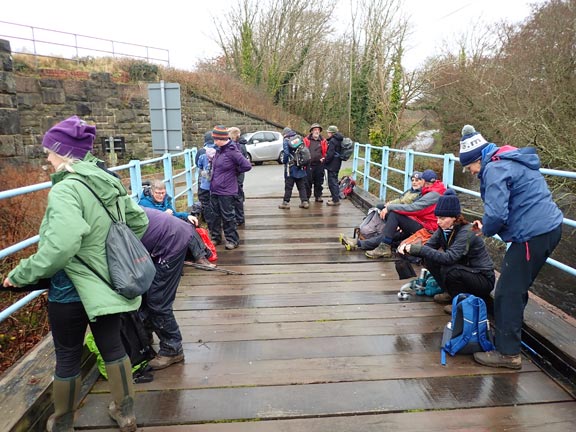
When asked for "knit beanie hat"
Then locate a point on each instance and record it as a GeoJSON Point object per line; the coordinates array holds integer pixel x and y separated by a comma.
{"type": "Point", "coordinates": [286, 131]}
{"type": "Point", "coordinates": [471, 145]}
{"type": "Point", "coordinates": [332, 129]}
{"type": "Point", "coordinates": [429, 176]}
{"type": "Point", "coordinates": [220, 132]}
{"type": "Point", "coordinates": [448, 204]}
{"type": "Point", "coordinates": [72, 137]}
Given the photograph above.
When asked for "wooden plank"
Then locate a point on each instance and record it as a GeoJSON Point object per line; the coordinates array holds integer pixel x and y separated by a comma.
{"type": "Point", "coordinates": [291, 300]}
{"type": "Point", "coordinates": [317, 370]}
{"type": "Point", "coordinates": [200, 317]}
{"type": "Point", "coordinates": [294, 330]}
{"type": "Point", "coordinates": [298, 401]}
{"type": "Point", "coordinates": [549, 417]}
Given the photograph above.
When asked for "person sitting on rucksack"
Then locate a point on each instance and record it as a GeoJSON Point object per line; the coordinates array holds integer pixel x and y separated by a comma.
{"type": "Point", "coordinates": [294, 173]}
{"type": "Point", "coordinates": [455, 256]}
{"type": "Point", "coordinates": [409, 218]}
{"type": "Point", "coordinates": [407, 197]}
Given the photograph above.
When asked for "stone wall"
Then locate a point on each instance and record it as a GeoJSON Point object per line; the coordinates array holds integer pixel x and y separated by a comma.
{"type": "Point", "coordinates": [30, 104]}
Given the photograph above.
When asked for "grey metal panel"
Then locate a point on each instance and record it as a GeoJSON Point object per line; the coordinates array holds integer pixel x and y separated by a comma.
{"type": "Point", "coordinates": [165, 117]}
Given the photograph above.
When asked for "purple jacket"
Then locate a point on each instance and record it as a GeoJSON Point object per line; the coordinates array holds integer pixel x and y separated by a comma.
{"type": "Point", "coordinates": [166, 236]}
{"type": "Point", "coordinates": [226, 165]}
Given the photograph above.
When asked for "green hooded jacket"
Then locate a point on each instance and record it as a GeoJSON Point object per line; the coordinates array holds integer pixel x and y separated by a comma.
{"type": "Point", "coordinates": [76, 224]}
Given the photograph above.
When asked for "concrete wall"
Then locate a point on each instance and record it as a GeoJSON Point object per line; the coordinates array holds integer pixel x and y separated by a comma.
{"type": "Point", "coordinates": [30, 104]}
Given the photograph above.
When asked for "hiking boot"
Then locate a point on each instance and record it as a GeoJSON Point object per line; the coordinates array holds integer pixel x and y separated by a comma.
{"type": "Point", "coordinates": [448, 309]}
{"type": "Point", "coordinates": [204, 262]}
{"type": "Point", "coordinates": [318, 199]}
{"type": "Point", "coordinates": [332, 203]}
{"type": "Point", "coordinates": [349, 243]}
{"type": "Point", "coordinates": [304, 205]}
{"type": "Point", "coordinates": [284, 206]}
{"type": "Point", "coordinates": [382, 251]}
{"type": "Point", "coordinates": [161, 362]}
{"type": "Point", "coordinates": [443, 297]}
{"type": "Point", "coordinates": [230, 245]}
{"type": "Point", "coordinates": [495, 359]}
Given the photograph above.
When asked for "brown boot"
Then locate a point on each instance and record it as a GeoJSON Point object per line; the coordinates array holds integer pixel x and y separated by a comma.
{"type": "Point", "coordinates": [121, 409]}
{"type": "Point", "coordinates": [495, 359]}
{"type": "Point", "coordinates": [382, 251]}
{"type": "Point", "coordinates": [204, 262]}
{"type": "Point", "coordinates": [162, 362]}
{"type": "Point", "coordinates": [65, 393]}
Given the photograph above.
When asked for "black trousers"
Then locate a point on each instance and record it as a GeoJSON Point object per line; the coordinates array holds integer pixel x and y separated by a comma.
{"type": "Point", "coordinates": [521, 265]}
{"type": "Point", "coordinates": [457, 279]}
{"type": "Point", "coordinates": [333, 185]}
{"type": "Point", "coordinates": [239, 204]}
{"type": "Point", "coordinates": [207, 213]}
{"type": "Point", "coordinates": [224, 219]}
{"type": "Point", "coordinates": [157, 305]}
{"type": "Point", "coordinates": [68, 322]}
{"type": "Point", "coordinates": [315, 180]}
{"type": "Point", "coordinates": [300, 183]}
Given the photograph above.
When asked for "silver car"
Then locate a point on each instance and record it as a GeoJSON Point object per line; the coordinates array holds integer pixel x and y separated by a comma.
{"type": "Point", "coordinates": [264, 146]}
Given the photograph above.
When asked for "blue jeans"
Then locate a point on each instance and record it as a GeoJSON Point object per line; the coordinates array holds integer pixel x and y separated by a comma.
{"type": "Point", "coordinates": [333, 185]}
{"type": "Point", "coordinates": [156, 310]}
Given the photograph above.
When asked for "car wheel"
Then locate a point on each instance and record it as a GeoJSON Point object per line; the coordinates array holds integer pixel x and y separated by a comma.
{"type": "Point", "coordinates": [258, 163]}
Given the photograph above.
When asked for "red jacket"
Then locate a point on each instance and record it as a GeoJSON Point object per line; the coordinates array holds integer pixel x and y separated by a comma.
{"type": "Point", "coordinates": [422, 210]}
{"type": "Point", "coordinates": [323, 145]}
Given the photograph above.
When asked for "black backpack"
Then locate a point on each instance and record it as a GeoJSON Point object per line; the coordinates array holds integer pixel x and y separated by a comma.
{"type": "Point", "coordinates": [346, 149]}
{"type": "Point", "coordinates": [302, 156]}
{"type": "Point", "coordinates": [137, 344]}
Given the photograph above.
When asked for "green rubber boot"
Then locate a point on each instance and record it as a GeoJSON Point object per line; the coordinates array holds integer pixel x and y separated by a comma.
{"type": "Point", "coordinates": [121, 409]}
{"type": "Point", "coordinates": [65, 393]}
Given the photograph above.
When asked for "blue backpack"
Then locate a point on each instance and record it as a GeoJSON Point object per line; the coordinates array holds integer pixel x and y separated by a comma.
{"type": "Point", "coordinates": [469, 330]}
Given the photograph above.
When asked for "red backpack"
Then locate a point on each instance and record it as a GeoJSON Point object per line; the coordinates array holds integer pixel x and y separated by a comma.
{"type": "Point", "coordinates": [346, 185]}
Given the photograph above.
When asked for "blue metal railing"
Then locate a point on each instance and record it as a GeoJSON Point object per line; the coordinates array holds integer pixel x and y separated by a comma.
{"type": "Point", "coordinates": [188, 176]}
{"type": "Point", "coordinates": [362, 168]}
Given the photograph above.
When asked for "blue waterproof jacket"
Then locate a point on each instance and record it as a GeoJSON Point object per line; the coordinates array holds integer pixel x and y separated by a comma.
{"type": "Point", "coordinates": [148, 201]}
{"type": "Point", "coordinates": [290, 167]}
{"type": "Point", "coordinates": [518, 205]}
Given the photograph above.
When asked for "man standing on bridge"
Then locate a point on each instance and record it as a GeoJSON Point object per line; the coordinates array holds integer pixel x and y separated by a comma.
{"type": "Point", "coordinates": [518, 206]}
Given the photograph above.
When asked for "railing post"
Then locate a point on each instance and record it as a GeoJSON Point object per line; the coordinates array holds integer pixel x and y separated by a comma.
{"type": "Point", "coordinates": [366, 179]}
{"type": "Point", "coordinates": [384, 173]}
{"type": "Point", "coordinates": [408, 168]}
{"type": "Point", "coordinates": [355, 159]}
{"type": "Point", "coordinates": [135, 178]}
{"type": "Point", "coordinates": [448, 173]}
{"type": "Point", "coordinates": [189, 155]}
{"type": "Point", "coordinates": [168, 174]}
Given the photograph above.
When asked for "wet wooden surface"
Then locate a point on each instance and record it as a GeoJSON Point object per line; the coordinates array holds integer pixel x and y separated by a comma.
{"type": "Point", "coordinates": [313, 338]}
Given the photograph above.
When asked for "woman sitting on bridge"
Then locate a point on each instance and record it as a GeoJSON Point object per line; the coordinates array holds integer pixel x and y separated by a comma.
{"type": "Point", "coordinates": [455, 255]}
{"type": "Point", "coordinates": [76, 224]}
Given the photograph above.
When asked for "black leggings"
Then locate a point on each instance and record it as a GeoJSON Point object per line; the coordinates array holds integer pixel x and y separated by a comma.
{"type": "Point", "coordinates": [68, 322]}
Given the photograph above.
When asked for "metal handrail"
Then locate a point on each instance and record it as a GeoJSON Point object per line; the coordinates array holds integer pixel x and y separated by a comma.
{"type": "Point", "coordinates": [165, 60]}
{"type": "Point", "coordinates": [190, 174]}
{"type": "Point", "coordinates": [362, 171]}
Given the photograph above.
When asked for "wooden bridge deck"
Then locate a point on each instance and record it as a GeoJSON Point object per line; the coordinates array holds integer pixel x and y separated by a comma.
{"type": "Point", "coordinates": [313, 338]}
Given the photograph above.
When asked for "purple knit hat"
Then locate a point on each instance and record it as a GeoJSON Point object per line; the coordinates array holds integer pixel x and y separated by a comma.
{"type": "Point", "coordinates": [72, 137]}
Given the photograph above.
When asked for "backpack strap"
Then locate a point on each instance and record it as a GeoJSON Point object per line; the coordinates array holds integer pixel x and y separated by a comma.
{"type": "Point", "coordinates": [100, 201]}
{"type": "Point", "coordinates": [483, 327]}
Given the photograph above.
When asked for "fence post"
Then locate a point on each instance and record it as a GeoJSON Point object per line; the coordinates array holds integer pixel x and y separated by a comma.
{"type": "Point", "coordinates": [168, 174]}
{"type": "Point", "coordinates": [135, 178]}
{"type": "Point", "coordinates": [384, 173]}
{"type": "Point", "coordinates": [188, 155]}
{"type": "Point", "coordinates": [355, 159]}
{"type": "Point", "coordinates": [448, 173]}
{"type": "Point", "coordinates": [366, 179]}
{"type": "Point", "coordinates": [408, 169]}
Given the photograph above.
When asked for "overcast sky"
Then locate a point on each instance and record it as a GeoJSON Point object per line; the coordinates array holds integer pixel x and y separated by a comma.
{"type": "Point", "coordinates": [186, 29]}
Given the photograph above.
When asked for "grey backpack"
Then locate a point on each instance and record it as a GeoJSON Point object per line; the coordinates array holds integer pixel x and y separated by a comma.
{"type": "Point", "coordinates": [372, 225]}
{"type": "Point", "coordinates": [129, 263]}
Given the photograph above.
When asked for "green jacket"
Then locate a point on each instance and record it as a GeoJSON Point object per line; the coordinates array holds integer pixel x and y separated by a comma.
{"type": "Point", "coordinates": [76, 224]}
